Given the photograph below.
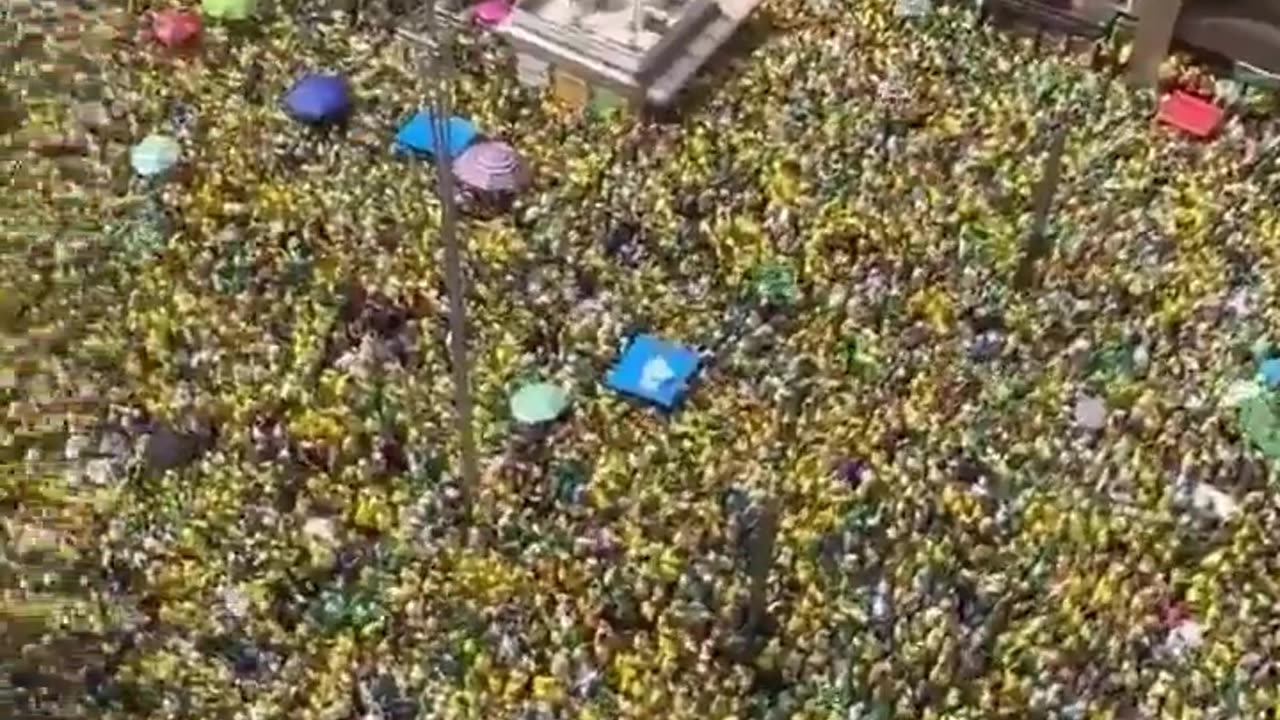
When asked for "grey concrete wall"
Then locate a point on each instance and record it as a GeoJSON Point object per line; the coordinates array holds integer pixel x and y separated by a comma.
{"type": "Point", "coordinates": [532, 70]}
{"type": "Point", "coordinates": [692, 20]}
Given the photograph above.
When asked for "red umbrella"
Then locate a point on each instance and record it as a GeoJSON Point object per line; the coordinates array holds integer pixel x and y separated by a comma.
{"type": "Point", "coordinates": [1194, 115]}
{"type": "Point", "coordinates": [175, 28]}
{"type": "Point", "coordinates": [491, 167]}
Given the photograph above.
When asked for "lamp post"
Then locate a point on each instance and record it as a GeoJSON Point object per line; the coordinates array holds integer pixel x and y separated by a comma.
{"type": "Point", "coordinates": [453, 274]}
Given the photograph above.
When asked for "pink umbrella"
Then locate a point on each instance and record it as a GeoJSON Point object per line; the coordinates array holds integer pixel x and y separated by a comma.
{"type": "Point", "coordinates": [491, 167]}
{"type": "Point", "coordinates": [491, 12]}
{"type": "Point", "coordinates": [175, 28]}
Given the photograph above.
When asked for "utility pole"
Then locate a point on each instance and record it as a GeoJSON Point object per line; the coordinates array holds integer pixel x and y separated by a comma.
{"type": "Point", "coordinates": [759, 565]}
{"type": "Point", "coordinates": [441, 111]}
{"type": "Point", "coordinates": [1157, 20]}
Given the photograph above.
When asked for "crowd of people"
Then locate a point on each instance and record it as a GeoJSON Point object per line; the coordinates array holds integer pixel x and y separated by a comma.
{"type": "Point", "coordinates": [993, 498]}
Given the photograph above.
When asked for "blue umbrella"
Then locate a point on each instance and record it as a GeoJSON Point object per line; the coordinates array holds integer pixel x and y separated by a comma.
{"type": "Point", "coordinates": [418, 134]}
{"type": "Point", "coordinates": [319, 98]}
{"type": "Point", "coordinates": [155, 155]}
{"type": "Point", "coordinates": [1270, 371]}
{"type": "Point", "coordinates": [654, 370]}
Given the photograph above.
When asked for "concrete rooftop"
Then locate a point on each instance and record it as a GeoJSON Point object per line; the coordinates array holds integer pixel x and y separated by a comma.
{"type": "Point", "coordinates": [611, 20]}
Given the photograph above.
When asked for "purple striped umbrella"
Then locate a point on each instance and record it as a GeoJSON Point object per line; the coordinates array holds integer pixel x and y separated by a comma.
{"type": "Point", "coordinates": [491, 167]}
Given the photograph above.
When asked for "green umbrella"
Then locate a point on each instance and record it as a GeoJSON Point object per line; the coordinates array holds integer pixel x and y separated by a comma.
{"type": "Point", "coordinates": [155, 155]}
{"type": "Point", "coordinates": [539, 403]}
{"type": "Point", "coordinates": [229, 9]}
{"type": "Point", "coordinates": [1261, 425]}
{"type": "Point", "coordinates": [775, 283]}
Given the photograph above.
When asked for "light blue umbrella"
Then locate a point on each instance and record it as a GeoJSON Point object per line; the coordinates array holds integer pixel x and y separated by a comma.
{"type": "Point", "coordinates": [418, 134]}
{"type": "Point", "coordinates": [155, 155]}
{"type": "Point", "coordinates": [538, 403]}
{"type": "Point", "coordinates": [1270, 372]}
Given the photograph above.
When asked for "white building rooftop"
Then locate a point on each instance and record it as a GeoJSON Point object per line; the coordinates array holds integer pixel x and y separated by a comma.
{"type": "Point", "coordinates": [648, 46]}
{"type": "Point", "coordinates": [619, 21]}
